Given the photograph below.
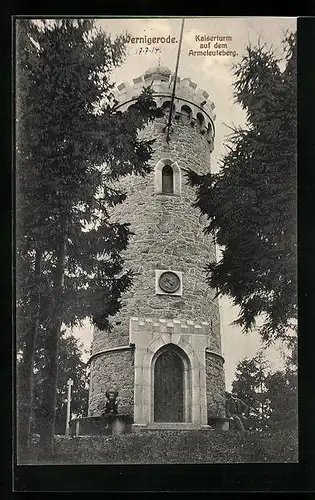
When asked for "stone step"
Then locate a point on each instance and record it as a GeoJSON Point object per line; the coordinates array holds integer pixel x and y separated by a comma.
{"type": "Point", "coordinates": [179, 426]}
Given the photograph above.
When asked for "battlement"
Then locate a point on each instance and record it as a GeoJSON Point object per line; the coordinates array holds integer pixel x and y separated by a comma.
{"type": "Point", "coordinates": [176, 326]}
{"type": "Point", "coordinates": [190, 100]}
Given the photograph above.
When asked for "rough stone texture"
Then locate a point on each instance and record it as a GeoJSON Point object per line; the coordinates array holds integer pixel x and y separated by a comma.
{"type": "Point", "coordinates": [215, 387]}
{"type": "Point", "coordinates": [168, 234]}
{"type": "Point", "coordinates": [112, 370]}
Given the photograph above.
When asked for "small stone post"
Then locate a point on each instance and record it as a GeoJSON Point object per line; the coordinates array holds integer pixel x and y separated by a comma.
{"type": "Point", "coordinates": [69, 384]}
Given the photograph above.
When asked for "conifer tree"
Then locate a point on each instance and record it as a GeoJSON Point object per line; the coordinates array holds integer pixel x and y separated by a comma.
{"type": "Point", "coordinates": [251, 202]}
{"type": "Point", "coordinates": [72, 147]}
{"type": "Point", "coordinates": [282, 397]}
{"type": "Point", "coordinates": [249, 386]}
{"type": "Point", "coordinates": [70, 365]}
{"type": "Point", "coordinates": [271, 395]}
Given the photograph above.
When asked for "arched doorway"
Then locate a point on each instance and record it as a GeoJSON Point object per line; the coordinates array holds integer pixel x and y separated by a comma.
{"type": "Point", "coordinates": [171, 386]}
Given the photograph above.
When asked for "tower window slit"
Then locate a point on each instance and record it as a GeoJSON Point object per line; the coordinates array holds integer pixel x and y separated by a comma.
{"type": "Point", "coordinates": [167, 180]}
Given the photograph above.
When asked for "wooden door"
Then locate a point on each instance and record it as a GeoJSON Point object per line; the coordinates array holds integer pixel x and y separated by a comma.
{"type": "Point", "coordinates": [169, 387]}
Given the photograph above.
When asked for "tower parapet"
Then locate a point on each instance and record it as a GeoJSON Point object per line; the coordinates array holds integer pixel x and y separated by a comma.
{"type": "Point", "coordinates": [191, 102]}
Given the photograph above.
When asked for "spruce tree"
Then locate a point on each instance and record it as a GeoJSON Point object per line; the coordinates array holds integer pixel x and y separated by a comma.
{"type": "Point", "coordinates": [251, 202]}
{"type": "Point", "coordinates": [70, 365]}
{"type": "Point", "coordinates": [72, 147]}
{"type": "Point", "coordinates": [249, 386]}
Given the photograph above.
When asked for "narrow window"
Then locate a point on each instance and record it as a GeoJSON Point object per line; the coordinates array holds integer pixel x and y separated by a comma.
{"type": "Point", "coordinates": [201, 122]}
{"type": "Point", "coordinates": [186, 112]}
{"type": "Point", "coordinates": [167, 180]}
{"type": "Point", "coordinates": [200, 119]}
{"type": "Point", "coordinates": [166, 105]}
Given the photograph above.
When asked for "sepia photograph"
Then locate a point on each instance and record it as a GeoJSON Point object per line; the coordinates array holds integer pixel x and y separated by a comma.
{"type": "Point", "coordinates": [156, 240]}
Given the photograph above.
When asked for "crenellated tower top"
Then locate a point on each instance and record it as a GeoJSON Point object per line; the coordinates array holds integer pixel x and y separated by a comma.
{"type": "Point", "coordinates": [191, 102]}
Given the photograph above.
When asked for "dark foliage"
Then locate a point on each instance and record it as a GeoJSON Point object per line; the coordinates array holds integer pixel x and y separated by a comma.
{"type": "Point", "coordinates": [271, 396]}
{"type": "Point", "coordinates": [72, 146]}
{"type": "Point", "coordinates": [70, 365]}
{"type": "Point", "coordinates": [251, 202]}
{"type": "Point", "coordinates": [185, 447]}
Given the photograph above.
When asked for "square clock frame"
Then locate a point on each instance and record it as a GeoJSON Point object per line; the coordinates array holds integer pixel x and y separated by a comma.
{"type": "Point", "coordinates": [167, 279]}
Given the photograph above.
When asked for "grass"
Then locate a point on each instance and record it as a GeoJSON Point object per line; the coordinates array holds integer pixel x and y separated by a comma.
{"type": "Point", "coordinates": [166, 447]}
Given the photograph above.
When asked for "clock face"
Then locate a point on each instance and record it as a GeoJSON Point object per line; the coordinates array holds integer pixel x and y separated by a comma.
{"type": "Point", "coordinates": [169, 282]}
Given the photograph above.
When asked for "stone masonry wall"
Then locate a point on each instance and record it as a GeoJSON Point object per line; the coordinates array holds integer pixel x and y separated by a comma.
{"type": "Point", "coordinates": [168, 235]}
{"type": "Point", "coordinates": [215, 387]}
{"type": "Point", "coordinates": [112, 370]}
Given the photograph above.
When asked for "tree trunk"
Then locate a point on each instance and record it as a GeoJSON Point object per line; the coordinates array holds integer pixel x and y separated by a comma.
{"type": "Point", "coordinates": [48, 406]}
{"type": "Point", "coordinates": [25, 372]}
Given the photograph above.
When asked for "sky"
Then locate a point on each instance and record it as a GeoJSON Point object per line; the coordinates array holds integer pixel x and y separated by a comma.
{"type": "Point", "coordinates": [214, 74]}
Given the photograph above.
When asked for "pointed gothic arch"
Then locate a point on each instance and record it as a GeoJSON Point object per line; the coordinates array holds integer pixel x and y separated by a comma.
{"type": "Point", "coordinates": [150, 336]}
{"type": "Point", "coordinates": [171, 385]}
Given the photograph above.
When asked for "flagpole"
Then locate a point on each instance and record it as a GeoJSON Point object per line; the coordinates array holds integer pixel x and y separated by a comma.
{"type": "Point", "coordinates": [175, 79]}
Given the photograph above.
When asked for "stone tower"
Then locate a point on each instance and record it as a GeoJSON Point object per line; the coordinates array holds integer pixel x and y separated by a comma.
{"type": "Point", "coordinates": [164, 353]}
